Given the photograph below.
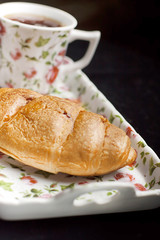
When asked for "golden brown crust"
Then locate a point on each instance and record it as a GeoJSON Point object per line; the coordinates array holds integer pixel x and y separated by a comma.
{"type": "Point", "coordinates": [11, 100]}
{"type": "Point", "coordinates": [81, 153]}
{"type": "Point", "coordinates": [57, 135]}
{"type": "Point", "coordinates": [115, 151]}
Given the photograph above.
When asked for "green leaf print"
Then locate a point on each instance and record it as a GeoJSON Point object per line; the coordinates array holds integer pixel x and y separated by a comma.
{"type": "Point", "coordinates": [45, 54]}
{"type": "Point", "coordinates": [42, 41]}
{"type": "Point", "coordinates": [32, 194]}
{"type": "Point", "coordinates": [111, 118]}
{"type": "Point", "coordinates": [36, 81]}
{"type": "Point", "coordinates": [24, 44]}
{"type": "Point", "coordinates": [53, 90]}
{"type": "Point", "coordinates": [17, 35]}
{"type": "Point", "coordinates": [63, 187]}
{"type": "Point", "coordinates": [146, 185]}
{"type": "Point", "coordinates": [31, 58]}
{"type": "Point", "coordinates": [142, 154]}
{"type": "Point", "coordinates": [99, 110]}
{"type": "Point", "coordinates": [151, 170]}
{"type": "Point", "coordinates": [78, 77]}
{"type": "Point", "coordinates": [26, 194]}
{"type": "Point", "coordinates": [121, 120]}
{"type": "Point", "coordinates": [48, 63]}
{"type": "Point", "coordinates": [6, 185]}
{"type": "Point", "coordinates": [86, 106]}
{"type": "Point", "coordinates": [53, 55]}
{"type": "Point", "coordinates": [151, 167]}
{"type": "Point", "coordinates": [2, 167]}
{"type": "Point", "coordinates": [151, 162]}
{"type": "Point", "coordinates": [34, 190]}
{"type": "Point", "coordinates": [141, 144]}
{"type": "Point", "coordinates": [109, 193]}
{"type": "Point", "coordinates": [64, 44]}
{"type": "Point", "coordinates": [81, 90]}
{"type": "Point", "coordinates": [94, 96]}
{"type": "Point", "coordinates": [62, 36]}
{"type": "Point", "coordinates": [144, 160]}
{"type": "Point", "coordinates": [15, 26]}
{"type": "Point", "coordinates": [152, 183]}
{"type": "Point", "coordinates": [9, 65]}
{"type": "Point", "coordinates": [51, 188]}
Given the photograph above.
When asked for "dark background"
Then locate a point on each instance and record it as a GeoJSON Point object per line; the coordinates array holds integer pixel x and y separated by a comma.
{"type": "Point", "coordinates": [131, 23]}
{"type": "Point", "coordinates": [126, 68]}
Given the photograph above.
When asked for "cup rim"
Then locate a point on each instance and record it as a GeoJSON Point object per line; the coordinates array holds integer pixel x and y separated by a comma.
{"type": "Point", "coordinates": [44, 28]}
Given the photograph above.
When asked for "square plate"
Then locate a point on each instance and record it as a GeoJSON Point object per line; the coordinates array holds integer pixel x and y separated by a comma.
{"type": "Point", "coordinates": [29, 193]}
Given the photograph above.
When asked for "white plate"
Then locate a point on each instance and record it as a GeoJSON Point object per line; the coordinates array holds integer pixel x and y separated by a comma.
{"type": "Point", "coordinates": [27, 193]}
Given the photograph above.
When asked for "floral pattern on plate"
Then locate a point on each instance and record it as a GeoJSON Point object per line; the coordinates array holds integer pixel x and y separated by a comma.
{"type": "Point", "coordinates": [19, 182]}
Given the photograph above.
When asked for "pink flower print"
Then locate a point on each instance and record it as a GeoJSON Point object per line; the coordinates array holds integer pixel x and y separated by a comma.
{"type": "Point", "coordinates": [16, 54]}
{"type": "Point", "coordinates": [66, 61]}
{"type": "Point", "coordinates": [29, 180]}
{"type": "Point", "coordinates": [140, 187]}
{"type": "Point", "coordinates": [126, 176]}
{"type": "Point", "coordinates": [128, 131]}
{"type": "Point", "coordinates": [119, 176]}
{"type": "Point", "coordinates": [46, 196]}
{"type": "Point", "coordinates": [30, 73]}
{"type": "Point", "coordinates": [2, 175]}
{"type": "Point", "coordinates": [84, 182]}
{"type": "Point", "coordinates": [62, 53]}
{"type": "Point", "coordinates": [10, 85]}
{"type": "Point", "coordinates": [2, 29]}
{"type": "Point", "coordinates": [58, 61]}
{"type": "Point", "coordinates": [60, 58]}
{"type": "Point", "coordinates": [52, 74]}
{"type": "Point", "coordinates": [53, 185]}
{"type": "Point", "coordinates": [65, 88]}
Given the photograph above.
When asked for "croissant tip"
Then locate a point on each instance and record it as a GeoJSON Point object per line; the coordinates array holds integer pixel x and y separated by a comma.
{"type": "Point", "coordinates": [132, 156]}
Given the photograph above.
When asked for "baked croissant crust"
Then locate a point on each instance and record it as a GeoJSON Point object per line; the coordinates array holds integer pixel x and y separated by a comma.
{"type": "Point", "coordinates": [58, 135]}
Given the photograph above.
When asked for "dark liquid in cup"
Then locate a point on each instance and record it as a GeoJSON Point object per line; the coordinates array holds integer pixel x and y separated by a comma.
{"type": "Point", "coordinates": [35, 20]}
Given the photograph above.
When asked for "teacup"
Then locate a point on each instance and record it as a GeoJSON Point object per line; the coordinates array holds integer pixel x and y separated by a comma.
{"type": "Point", "coordinates": [33, 56]}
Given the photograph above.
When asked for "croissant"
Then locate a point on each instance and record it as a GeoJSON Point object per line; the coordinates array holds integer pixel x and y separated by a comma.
{"type": "Point", "coordinates": [58, 135]}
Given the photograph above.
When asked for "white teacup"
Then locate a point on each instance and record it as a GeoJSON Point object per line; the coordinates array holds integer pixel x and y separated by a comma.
{"type": "Point", "coordinates": [33, 56]}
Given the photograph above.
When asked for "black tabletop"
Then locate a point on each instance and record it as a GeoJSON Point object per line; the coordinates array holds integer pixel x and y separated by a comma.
{"type": "Point", "coordinates": [131, 82]}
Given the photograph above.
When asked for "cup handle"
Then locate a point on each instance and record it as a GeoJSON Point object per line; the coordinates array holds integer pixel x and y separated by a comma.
{"type": "Point", "coordinates": [93, 38]}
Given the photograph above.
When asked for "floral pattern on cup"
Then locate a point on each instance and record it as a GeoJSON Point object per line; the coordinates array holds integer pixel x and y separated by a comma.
{"type": "Point", "coordinates": [31, 56]}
